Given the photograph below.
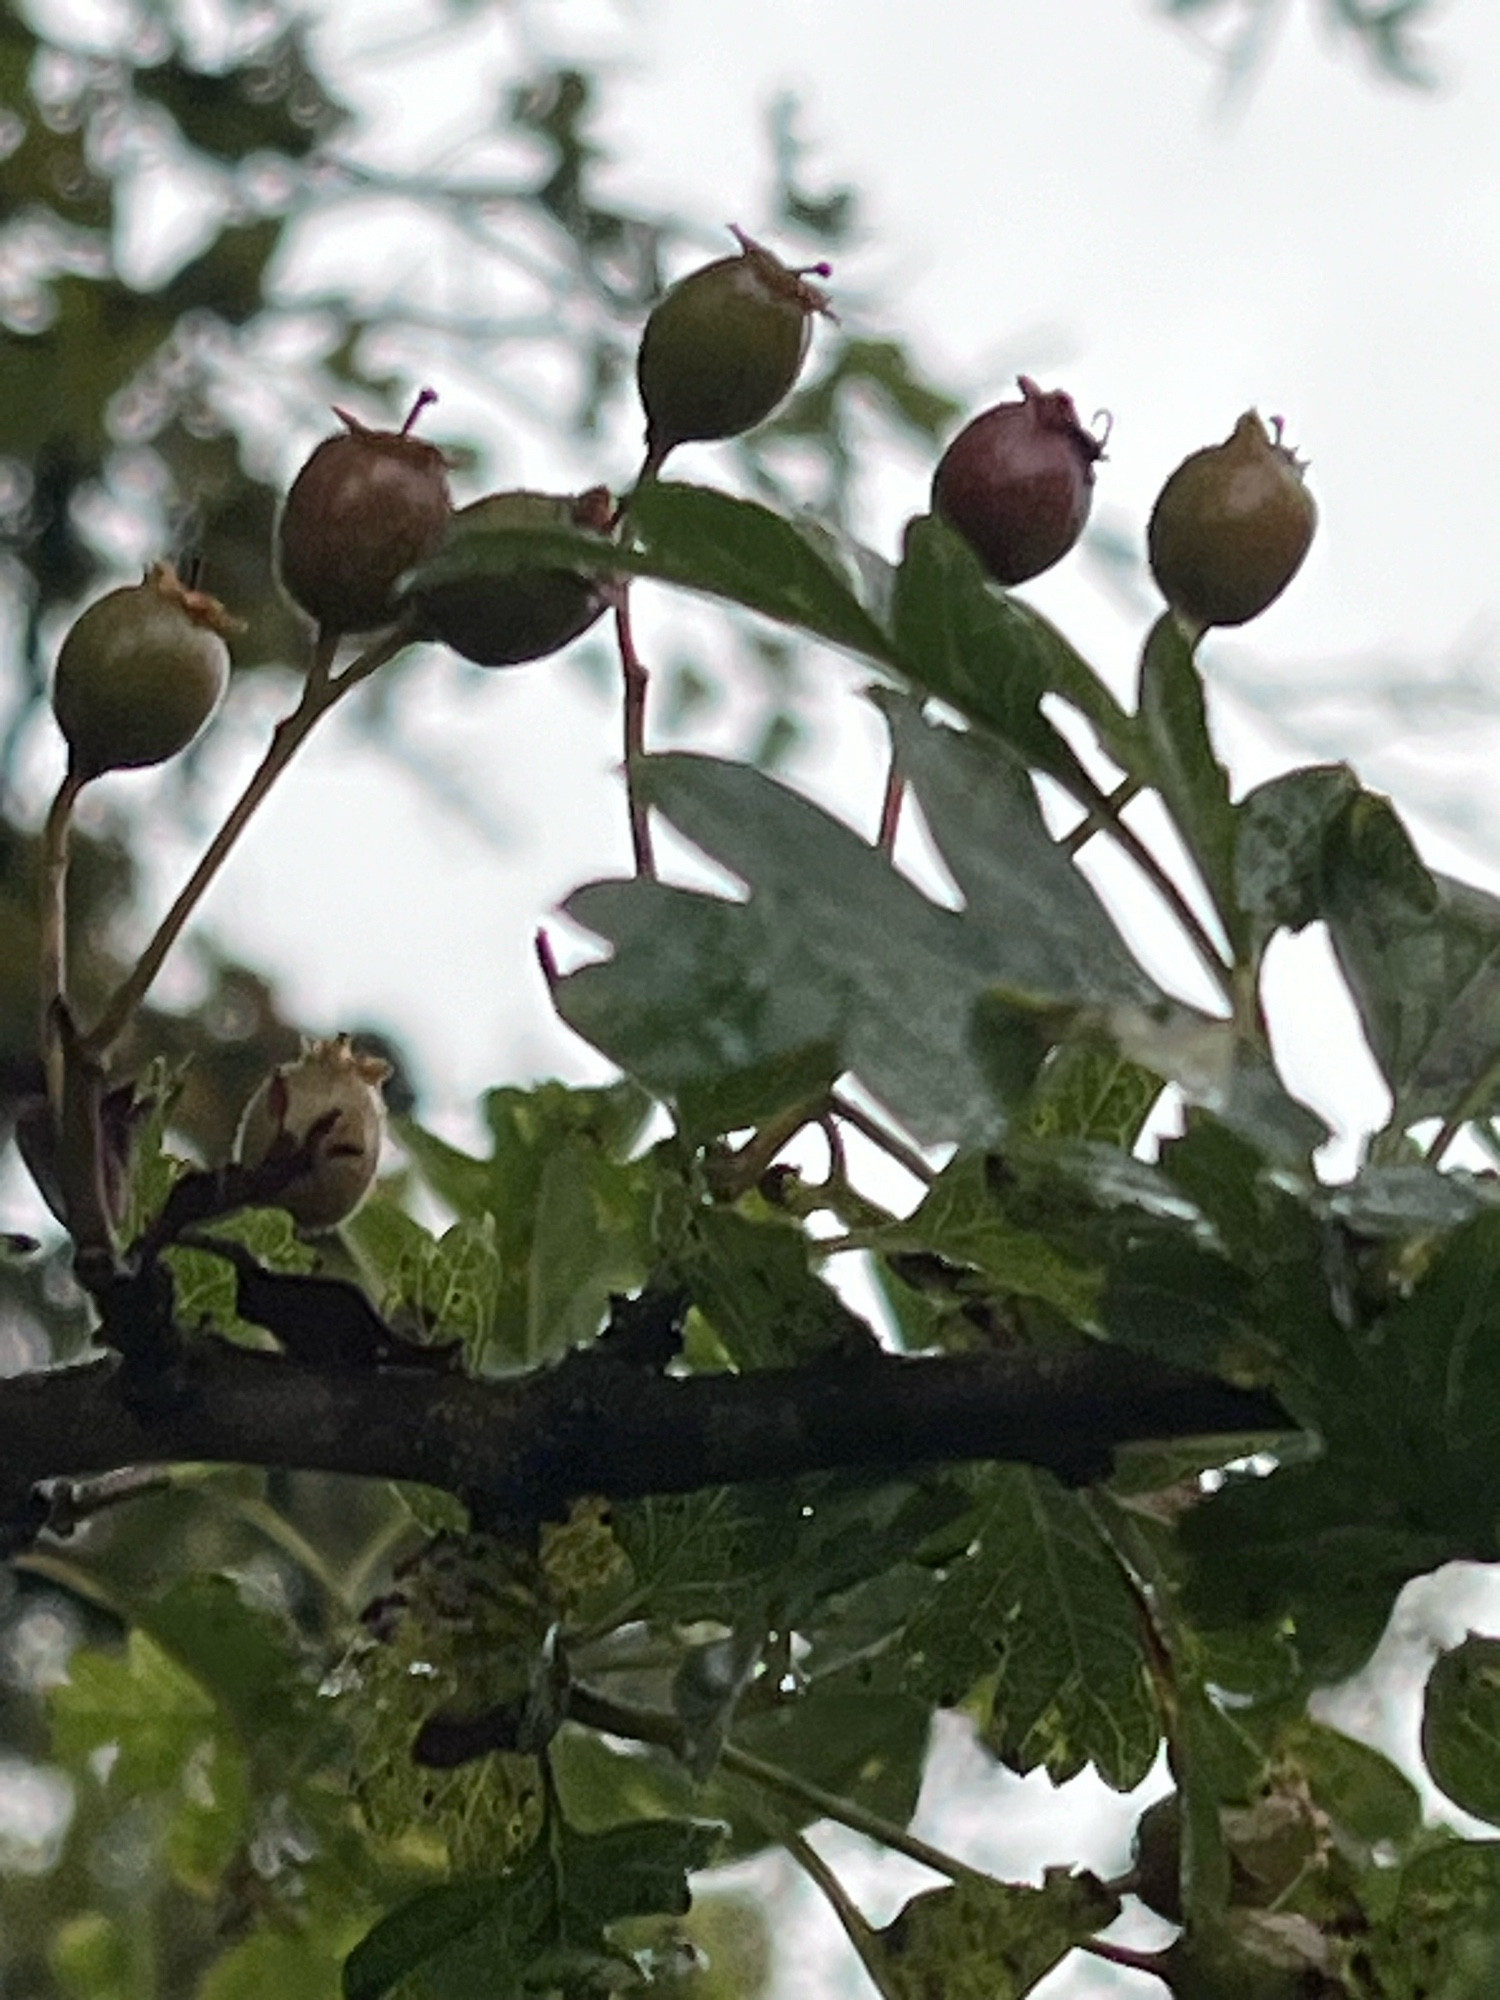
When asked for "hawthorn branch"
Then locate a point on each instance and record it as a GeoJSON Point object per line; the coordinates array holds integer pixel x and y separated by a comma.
{"type": "Point", "coordinates": [595, 1423]}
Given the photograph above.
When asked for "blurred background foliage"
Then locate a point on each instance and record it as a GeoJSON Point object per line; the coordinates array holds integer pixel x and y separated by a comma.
{"type": "Point", "coordinates": [1387, 32]}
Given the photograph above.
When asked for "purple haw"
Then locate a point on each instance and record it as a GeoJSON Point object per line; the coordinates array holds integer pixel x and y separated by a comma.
{"type": "Point", "coordinates": [1018, 481]}
{"type": "Point", "coordinates": [724, 347]}
{"type": "Point", "coordinates": [327, 1101]}
{"type": "Point", "coordinates": [1231, 527]}
{"type": "Point", "coordinates": [514, 615]}
{"type": "Point", "coordinates": [140, 672]}
{"type": "Point", "coordinates": [365, 507]}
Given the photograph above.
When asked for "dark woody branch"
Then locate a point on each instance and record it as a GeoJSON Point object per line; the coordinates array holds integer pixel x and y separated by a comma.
{"type": "Point", "coordinates": [599, 1422]}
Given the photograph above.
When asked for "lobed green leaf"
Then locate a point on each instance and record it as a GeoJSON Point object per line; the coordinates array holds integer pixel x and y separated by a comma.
{"type": "Point", "coordinates": [980, 1939]}
{"type": "Point", "coordinates": [1038, 1606]}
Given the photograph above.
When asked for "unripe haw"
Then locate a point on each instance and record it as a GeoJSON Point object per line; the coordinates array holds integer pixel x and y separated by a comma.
{"type": "Point", "coordinates": [517, 614]}
{"type": "Point", "coordinates": [328, 1102]}
{"type": "Point", "coordinates": [140, 672]}
{"type": "Point", "coordinates": [1157, 1875]}
{"type": "Point", "coordinates": [365, 507]}
{"type": "Point", "coordinates": [1231, 527]}
{"type": "Point", "coordinates": [1017, 483]}
{"type": "Point", "coordinates": [724, 347]}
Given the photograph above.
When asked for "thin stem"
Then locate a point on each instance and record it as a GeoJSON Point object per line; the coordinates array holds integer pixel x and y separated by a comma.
{"type": "Point", "coordinates": [53, 949]}
{"type": "Point", "coordinates": [320, 666]}
{"type": "Point", "coordinates": [76, 1581]}
{"type": "Point", "coordinates": [858, 1931]}
{"type": "Point", "coordinates": [637, 680]}
{"type": "Point", "coordinates": [1122, 1955]}
{"type": "Point", "coordinates": [743, 1170]}
{"type": "Point", "coordinates": [645, 1725]}
{"type": "Point", "coordinates": [824, 1247]}
{"type": "Point", "coordinates": [1250, 1020]}
{"type": "Point", "coordinates": [546, 958]}
{"type": "Point", "coordinates": [1131, 842]}
{"type": "Point", "coordinates": [375, 1553]}
{"type": "Point", "coordinates": [613, 1718]}
{"type": "Point", "coordinates": [657, 454]}
{"type": "Point", "coordinates": [73, 1501]}
{"type": "Point", "coordinates": [1445, 1137]}
{"type": "Point", "coordinates": [258, 1514]}
{"type": "Point", "coordinates": [1468, 1108]}
{"type": "Point", "coordinates": [880, 1135]}
{"type": "Point", "coordinates": [1092, 823]}
{"type": "Point", "coordinates": [1155, 1635]}
{"type": "Point", "coordinates": [364, 664]}
{"type": "Point", "coordinates": [828, 1805]}
{"type": "Point", "coordinates": [890, 808]}
{"type": "Point", "coordinates": [319, 694]}
{"type": "Point", "coordinates": [838, 1159]}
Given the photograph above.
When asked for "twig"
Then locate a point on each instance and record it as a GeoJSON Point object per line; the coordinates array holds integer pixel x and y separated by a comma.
{"type": "Point", "coordinates": [52, 955]}
{"type": "Point", "coordinates": [1122, 1955]}
{"type": "Point", "coordinates": [73, 1501]}
{"type": "Point", "coordinates": [890, 808]}
{"type": "Point", "coordinates": [827, 1805]}
{"type": "Point", "coordinates": [1187, 917]}
{"type": "Point", "coordinates": [855, 1927]}
{"type": "Point", "coordinates": [1092, 823]}
{"type": "Point", "coordinates": [637, 680]}
{"type": "Point", "coordinates": [77, 1582]}
{"type": "Point", "coordinates": [741, 1171]}
{"type": "Point", "coordinates": [880, 1135]}
{"type": "Point", "coordinates": [257, 1513]}
{"type": "Point", "coordinates": [319, 695]}
{"type": "Point", "coordinates": [644, 1725]}
{"type": "Point", "coordinates": [1469, 1107]}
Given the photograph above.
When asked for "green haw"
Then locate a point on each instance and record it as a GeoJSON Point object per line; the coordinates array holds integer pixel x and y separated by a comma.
{"type": "Point", "coordinates": [140, 672]}
{"type": "Point", "coordinates": [724, 347]}
{"type": "Point", "coordinates": [1231, 527]}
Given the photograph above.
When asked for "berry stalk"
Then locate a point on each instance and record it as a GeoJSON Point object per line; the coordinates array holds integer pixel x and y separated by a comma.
{"type": "Point", "coordinates": [320, 693]}
{"type": "Point", "coordinates": [637, 681]}
{"type": "Point", "coordinates": [52, 955]}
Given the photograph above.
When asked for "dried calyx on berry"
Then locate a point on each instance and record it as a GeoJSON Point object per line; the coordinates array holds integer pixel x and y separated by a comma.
{"type": "Point", "coordinates": [512, 615]}
{"type": "Point", "coordinates": [724, 347]}
{"type": "Point", "coordinates": [140, 672]}
{"type": "Point", "coordinates": [327, 1104]}
{"type": "Point", "coordinates": [1231, 527]}
{"type": "Point", "coordinates": [1018, 481]}
{"type": "Point", "coordinates": [365, 507]}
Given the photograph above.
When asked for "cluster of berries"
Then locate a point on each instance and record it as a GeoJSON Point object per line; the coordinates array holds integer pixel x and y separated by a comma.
{"type": "Point", "coordinates": [143, 668]}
